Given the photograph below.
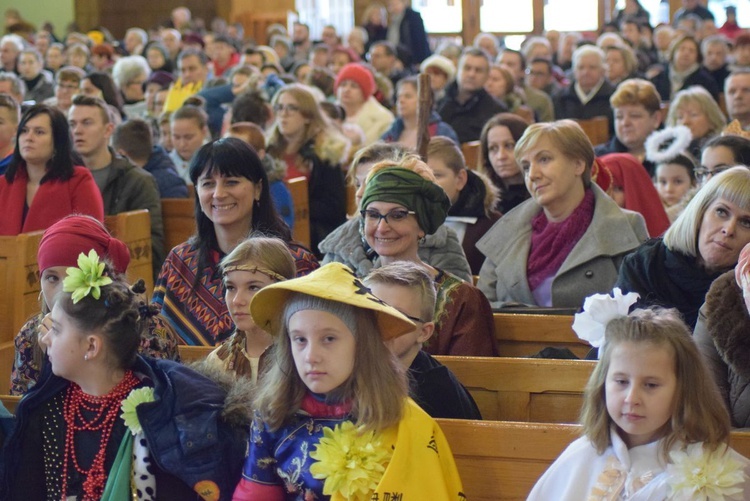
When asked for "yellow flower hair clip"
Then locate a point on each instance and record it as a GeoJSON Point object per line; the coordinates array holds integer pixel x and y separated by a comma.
{"type": "Point", "coordinates": [87, 279]}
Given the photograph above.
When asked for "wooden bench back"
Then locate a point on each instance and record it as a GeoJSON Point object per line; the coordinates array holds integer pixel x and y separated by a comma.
{"type": "Point", "coordinates": [178, 215]}
{"type": "Point", "coordinates": [503, 460]}
{"type": "Point", "coordinates": [597, 129]}
{"type": "Point", "coordinates": [19, 282]}
{"type": "Point", "coordinates": [522, 334]}
{"type": "Point", "coordinates": [523, 389]}
{"type": "Point", "coordinates": [134, 228]}
{"type": "Point", "coordinates": [194, 353]}
{"type": "Point", "coordinates": [472, 152]}
{"type": "Point", "coordinates": [298, 189]}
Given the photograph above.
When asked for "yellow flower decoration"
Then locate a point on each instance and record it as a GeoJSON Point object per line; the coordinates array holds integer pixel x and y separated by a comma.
{"type": "Point", "coordinates": [87, 279]}
{"type": "Point", "coordinates": [351, 461]}
{"type": "Point", "coordinates": [128, 406]}
{"type": "Point", "coordinates": [698, 474]}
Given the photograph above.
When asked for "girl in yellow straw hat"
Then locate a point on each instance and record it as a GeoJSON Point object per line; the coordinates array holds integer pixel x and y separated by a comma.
{"type": "Point", "coordinates": [333, 419]}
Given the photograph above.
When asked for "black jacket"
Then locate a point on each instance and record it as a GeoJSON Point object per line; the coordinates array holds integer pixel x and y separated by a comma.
{"type": "Point", "coordinates": [437, 390]}
{"type": "Point", "coordinates": [567, 104]}
{"type": "Point", "coordinates": [468, 119]}
{"type": "Point", "coordinates": [698, 77]}
{"type": "Point", "coordinates": [412, 36]}
{"type": "Point", "coordinates": [665, 278]}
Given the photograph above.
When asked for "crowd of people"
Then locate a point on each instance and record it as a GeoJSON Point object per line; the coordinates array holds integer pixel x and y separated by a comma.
{"type": "Point", "coordinates": [331, 343]}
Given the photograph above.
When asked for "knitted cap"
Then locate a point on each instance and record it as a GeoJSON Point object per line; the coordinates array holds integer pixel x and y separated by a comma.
{"type": "Point", "coordinates": [440, 62]}
{"type": "Point", "coordinates": [163, 78]}
{"type": "Point", "coordinates": [65, 240]}
{"type": "Point", "coordinates": [300, 302]}
{"type": "Point", "coordinates": [359, 75]}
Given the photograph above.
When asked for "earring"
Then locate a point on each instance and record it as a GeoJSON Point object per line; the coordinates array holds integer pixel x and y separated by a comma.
{"type": "Point", "coordinates": [86, 357]}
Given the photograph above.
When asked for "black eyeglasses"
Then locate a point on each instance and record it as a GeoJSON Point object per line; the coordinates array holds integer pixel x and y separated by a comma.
{"type": "Point", "coordinates": [703, 174]}
{"type": "Point", "coordinates": [281, 108]}
{"type": "Point", "coordinates": [373, 217]}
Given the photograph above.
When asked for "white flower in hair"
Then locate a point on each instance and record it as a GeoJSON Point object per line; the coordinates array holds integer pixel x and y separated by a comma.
{"type": "Point", "coordinates": [663, 145]}
{"type": "Point", "coordinates": [598, 310]}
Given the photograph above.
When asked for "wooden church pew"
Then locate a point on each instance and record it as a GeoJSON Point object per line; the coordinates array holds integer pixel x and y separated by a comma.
{"type": "Point", "coordinates": [523, 389]}
{"type": "Point", "coordinates": [524, 334]}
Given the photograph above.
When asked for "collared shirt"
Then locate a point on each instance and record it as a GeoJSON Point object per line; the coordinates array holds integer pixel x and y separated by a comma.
{"type": "Point", "coordinates": [585, 98]}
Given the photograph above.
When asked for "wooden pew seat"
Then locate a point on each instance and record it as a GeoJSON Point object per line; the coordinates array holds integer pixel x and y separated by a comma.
{"type": "Point", "coordinates": [503, 460]}
{"type": "Point", "coordinates": [178, 215]}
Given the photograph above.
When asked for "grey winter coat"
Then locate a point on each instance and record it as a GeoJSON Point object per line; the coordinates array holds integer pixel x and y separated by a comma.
{"type": "Point", "coordinates": [440, 250]}
{"type": "Point", "coordinates": [591, 267]}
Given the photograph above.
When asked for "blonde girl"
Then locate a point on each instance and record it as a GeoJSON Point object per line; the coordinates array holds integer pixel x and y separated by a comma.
{"type": "Point", "coordinates": [333, 379]}
{"type": "Point", "coordinates": [651, 413]}
{"type": "Point", "coordinates": [255, 263]}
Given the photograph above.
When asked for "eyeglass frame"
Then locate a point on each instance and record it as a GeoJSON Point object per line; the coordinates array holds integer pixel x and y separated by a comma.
{"type": "Point", "coordinates": [369, 215]}
{"type": "Point", "coordinates": [703, 173]}
{"type": "Point", "coordinates": [279, 108]}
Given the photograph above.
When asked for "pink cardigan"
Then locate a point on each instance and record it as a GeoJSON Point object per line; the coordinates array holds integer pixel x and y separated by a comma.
{"type": "Point", "coordinates": [53, 201]}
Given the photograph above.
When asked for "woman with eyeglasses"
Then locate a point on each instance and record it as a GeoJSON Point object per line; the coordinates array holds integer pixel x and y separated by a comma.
{"type": "Point", "coordinates": [567, 241]}
{"type": "Point", "coordinates": [401, 205]}
{"type": "Point", "coordinates": [311, 148]}
{"type": "Point", "coordinates": [721, 153]}
{"type": "Point", "coordinates": [705, 241]}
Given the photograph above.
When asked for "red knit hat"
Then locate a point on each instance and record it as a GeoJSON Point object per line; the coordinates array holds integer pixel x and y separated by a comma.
{"type": "Point", "coordinates": [64, 241]}
{"type": "Point", "coordinates": [359, 75]}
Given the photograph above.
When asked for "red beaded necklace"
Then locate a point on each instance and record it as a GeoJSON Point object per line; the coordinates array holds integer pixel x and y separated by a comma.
{"type": "Point", "coordinates": [105, 409]}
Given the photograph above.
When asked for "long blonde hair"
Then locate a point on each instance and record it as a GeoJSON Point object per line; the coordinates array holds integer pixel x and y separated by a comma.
{"type": "Point", "coordinates": [698, 411]}
{"type": "Point", "coordinates": [376, 388]}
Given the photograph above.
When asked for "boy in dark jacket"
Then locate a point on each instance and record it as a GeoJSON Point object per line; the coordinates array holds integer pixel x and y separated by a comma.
{"type": "Point", "coordinates": [410, 289]}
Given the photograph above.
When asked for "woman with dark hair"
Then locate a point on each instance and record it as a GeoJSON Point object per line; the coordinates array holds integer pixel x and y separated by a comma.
{"type": "Point", "coordinates": [722, 153]}
{"type": "Point", "coordinates": [498, 141]}
{"type": "Point", "coordinates": [42, 184]}
{"type": "Point", "coordinates": [232, 199]}
{"type": "Point", "coordinates": [100, 84]}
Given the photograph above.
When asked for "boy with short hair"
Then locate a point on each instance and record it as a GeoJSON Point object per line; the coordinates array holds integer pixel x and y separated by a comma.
{"type": "Point", "coordinates": [410, 289]}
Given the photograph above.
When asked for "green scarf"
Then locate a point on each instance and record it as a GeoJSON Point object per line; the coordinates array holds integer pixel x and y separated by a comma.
{"type": "Point", "coordinates": [407, 188]}
{"type": "Point", "coordinates": [120, 476]}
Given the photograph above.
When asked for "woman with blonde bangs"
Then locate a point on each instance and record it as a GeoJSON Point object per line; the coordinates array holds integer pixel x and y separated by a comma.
{"type": "Point", "coordinates": [696, 109]}
{"type": "Point", "coordinates": [255, 263]}
{"type": "Point", "coordinates": [313, 149]}
{"type": "Point", "coordinates": [568, 240]}
{"type": "Point", "coordinates": [705, 241]}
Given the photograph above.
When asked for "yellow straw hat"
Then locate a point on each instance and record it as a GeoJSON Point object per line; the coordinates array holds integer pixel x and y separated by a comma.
{"type": "Point", "coordinates": [334, 282]}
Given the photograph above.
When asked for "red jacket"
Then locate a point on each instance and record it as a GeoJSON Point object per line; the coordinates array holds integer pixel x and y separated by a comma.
{"type": "Point", "coordinates": [53, 201]}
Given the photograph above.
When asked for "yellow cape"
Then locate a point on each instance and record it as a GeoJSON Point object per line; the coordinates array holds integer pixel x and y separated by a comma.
{"type": "Point", "coordinates": [422, 467]}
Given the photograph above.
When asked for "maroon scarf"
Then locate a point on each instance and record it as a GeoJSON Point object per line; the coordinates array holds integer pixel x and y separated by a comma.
{"type": "Point", "coordinates": [552, 242]}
